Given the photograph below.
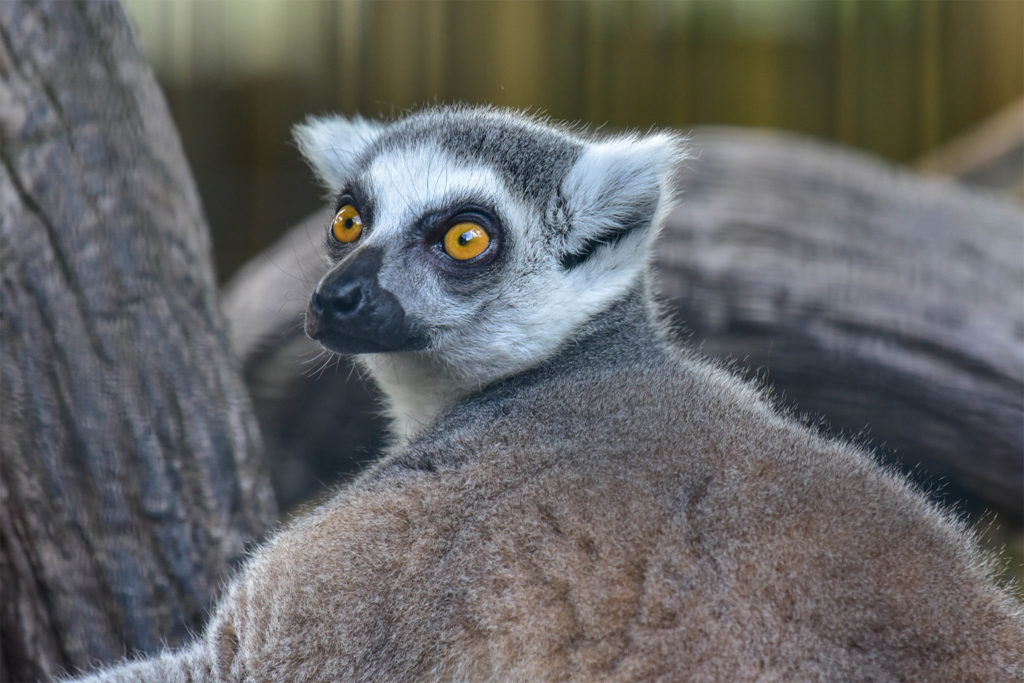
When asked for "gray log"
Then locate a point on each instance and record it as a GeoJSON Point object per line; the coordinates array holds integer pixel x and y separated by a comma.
{"type": "Point", "coordinates": [890, 305]}
{"type": "Point", "coordinates": [131, 476]}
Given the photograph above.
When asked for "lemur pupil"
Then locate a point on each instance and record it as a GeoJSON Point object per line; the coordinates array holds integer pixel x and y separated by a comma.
{"type": "Point", "coordinates": [348, 223]}
{"type": "Point", "coordinates": [465, 238]}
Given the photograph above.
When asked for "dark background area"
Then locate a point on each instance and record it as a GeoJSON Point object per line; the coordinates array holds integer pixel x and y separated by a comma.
{"type": "Point", "coordinates": [896, 78]}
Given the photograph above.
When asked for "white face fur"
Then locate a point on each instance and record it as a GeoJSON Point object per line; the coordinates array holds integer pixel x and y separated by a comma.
{"type": "Point", "coordinates": [556, 258]}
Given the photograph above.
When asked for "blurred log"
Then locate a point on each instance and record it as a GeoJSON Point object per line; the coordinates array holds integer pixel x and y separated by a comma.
{"type": "Point", "coordinates": [891, 305]}
{"type": "Point", "coordinates": [989, 156]}
{"type": "Point", "coordinates": [131, 476]}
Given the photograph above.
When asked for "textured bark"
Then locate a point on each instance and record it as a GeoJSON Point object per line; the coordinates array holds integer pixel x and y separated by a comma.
{"type": "Point", "coordinates": [132, 476]}
{"type": "Point", "coordinates": [890, 305]}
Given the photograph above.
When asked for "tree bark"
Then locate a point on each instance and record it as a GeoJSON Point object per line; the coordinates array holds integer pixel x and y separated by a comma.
{"type": "Point", "coordinates": [132, 476]}
{"type": "Point", "coordinates": [890, 305]}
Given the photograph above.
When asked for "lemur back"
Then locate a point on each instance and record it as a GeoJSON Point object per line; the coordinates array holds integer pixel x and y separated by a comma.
{"type": "Point", "coordinates": [569, 493]}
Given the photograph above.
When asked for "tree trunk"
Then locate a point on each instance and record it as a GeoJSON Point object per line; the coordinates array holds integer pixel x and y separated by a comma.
{"type": "Point", "coordinates": [888, 304]}
{"type": "Point", "coordinates": [132, 476]}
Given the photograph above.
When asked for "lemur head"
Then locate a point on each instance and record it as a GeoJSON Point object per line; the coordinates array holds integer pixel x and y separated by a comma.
{"type": "Point", "coordinates": [474, 241]}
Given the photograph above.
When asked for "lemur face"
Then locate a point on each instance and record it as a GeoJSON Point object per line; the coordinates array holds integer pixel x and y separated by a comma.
{"type": "Point", "coordinates": [420, 246]}
{"type": "Point", "coordinates": [479, 237]}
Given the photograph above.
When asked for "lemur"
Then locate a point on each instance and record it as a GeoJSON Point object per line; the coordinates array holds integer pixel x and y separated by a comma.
{"type": "Point", "coordinates": [571, 494]}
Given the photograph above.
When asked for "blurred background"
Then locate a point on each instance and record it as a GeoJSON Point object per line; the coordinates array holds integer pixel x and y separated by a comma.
{"type": "Point", "coordinates": [901, 79]}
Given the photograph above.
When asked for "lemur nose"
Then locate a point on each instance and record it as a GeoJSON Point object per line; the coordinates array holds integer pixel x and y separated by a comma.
{"type": "Point", "coordinates": [339, 298]}
{"type": "Point", "coordinates": [350, 312]}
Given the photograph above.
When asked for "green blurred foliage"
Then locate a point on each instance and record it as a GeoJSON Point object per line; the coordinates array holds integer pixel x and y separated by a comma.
{"type": "Point", "coordinates": [894, 77]}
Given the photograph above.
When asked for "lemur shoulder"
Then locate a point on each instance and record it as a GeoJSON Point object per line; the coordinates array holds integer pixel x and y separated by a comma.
{"type": "Point", "coordinates": [570, 494]}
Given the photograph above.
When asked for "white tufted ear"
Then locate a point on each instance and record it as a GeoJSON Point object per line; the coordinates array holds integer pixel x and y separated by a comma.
{"type": "Point", "coordinates": [332, 145]}
{"type": "Point", "coordinates": [617, 187]}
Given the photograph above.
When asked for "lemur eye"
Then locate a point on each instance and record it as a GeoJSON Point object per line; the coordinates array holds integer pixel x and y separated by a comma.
{"type": "Point", "coordinates": [463, 241]}
{"type": "Point", "coordinates": [348, 225]}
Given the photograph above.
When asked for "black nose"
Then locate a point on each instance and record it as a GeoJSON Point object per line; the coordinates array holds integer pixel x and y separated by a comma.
{"type": "Point", "coordinates": [338, 299]}
{"type": "Point", "coordinates": [350, 312]}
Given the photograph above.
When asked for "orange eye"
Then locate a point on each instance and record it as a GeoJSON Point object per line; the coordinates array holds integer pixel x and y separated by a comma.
{"type": "Point", "coordinates": [348, 225]}
{"type": "Point", "coordinates": [463, 241]}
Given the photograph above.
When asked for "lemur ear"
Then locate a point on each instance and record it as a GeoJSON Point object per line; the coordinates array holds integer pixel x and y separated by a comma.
{"type": "Point", "coordinates": [333, 144]}
{"type": "Point", "coordinates": [618, 187]}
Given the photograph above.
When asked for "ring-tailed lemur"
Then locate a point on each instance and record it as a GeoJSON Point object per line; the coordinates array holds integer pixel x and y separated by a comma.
{"type": "Point", "coordinates": [569, 494]}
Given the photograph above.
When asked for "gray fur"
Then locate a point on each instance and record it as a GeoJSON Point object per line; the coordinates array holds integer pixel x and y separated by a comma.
{"type": "Point", "coordinates": [531, 158]}
{"type": "Point", "coordinates": [617, 508]}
